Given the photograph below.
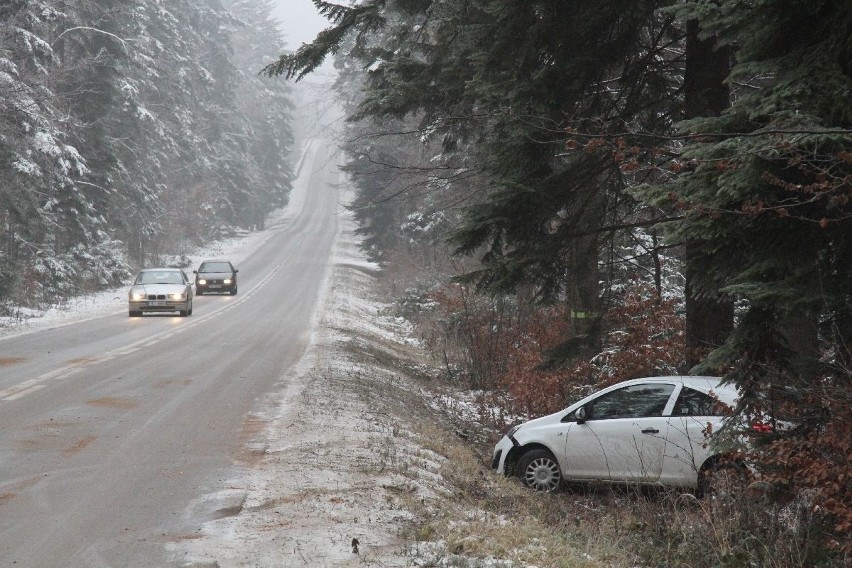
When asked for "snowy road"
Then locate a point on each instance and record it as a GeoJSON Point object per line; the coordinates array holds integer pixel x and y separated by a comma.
{"type": "Point", "coordinates": [112, 427]}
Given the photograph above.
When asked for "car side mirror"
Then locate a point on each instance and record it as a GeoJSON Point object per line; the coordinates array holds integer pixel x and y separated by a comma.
{"type": "Point", "coordinates": [195, 272]}
{"type": "Point", "coordinates": [580, 413]}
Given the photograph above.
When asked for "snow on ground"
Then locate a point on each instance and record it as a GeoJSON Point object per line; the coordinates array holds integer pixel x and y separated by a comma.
{"type": "Point", "coordinates": [325, 474]}
{"type": "Point", "coordinates": [330, 470]}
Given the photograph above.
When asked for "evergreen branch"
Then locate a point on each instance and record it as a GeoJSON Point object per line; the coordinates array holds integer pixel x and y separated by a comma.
{"type": "Point", "coordinates": [360, 19]}
{"type": "Point", "coordinates": [123, 41]}
{"type": "Point", "coordinates": [719, 135]}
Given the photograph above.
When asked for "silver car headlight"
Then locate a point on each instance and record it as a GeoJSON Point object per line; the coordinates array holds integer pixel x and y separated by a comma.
{"type": "Point", "coordinates": [202, 281]}
{"type": "Point", "coordinates": [178, 296]}
{"type": "Point", "coordinates": [136, 295]}
{"type": "Point", "coordinates": [227, 281]}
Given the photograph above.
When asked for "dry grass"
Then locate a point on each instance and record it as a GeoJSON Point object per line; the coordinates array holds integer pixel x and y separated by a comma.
{"type": "Point", "coordinates": [464, 515]}
{"type": "Point", "coordinates": [467, 516]}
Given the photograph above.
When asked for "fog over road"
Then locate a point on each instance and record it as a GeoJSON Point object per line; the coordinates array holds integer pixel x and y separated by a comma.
{"type": "Point", "coordinates": [112, 428]}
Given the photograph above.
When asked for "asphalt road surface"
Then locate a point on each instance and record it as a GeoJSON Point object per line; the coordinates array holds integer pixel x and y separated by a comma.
{"type": "Point", "coordinates": [110, 429]}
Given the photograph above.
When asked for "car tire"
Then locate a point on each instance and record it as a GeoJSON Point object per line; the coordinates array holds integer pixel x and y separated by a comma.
{"type": "Point", "coordinates": [198, 292]}
{"type": "Point", "coordinates": [135, 313]}
{"type": "Point", "coordinates": [183, 313]}
{"type": "Point", "coordinates": [722, 480]}
{"type": "Point", "coordinates": [539, 470]}
{"type": "Point", "coordinates": [234, 291]}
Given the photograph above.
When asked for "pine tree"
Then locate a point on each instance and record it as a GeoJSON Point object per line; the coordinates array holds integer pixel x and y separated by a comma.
{"type": "Point", "coordinates": [499, 82]}
{"type": "Point", "coordinates": [766, 184]}
{"type": "Point", "coordinates": [766, 197]}
{"type": "Point", "coordinates": [44, 210]}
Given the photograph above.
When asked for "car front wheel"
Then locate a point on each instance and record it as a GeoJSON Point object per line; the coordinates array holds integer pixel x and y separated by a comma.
{"type": "Point", "coordinates": [539, 470]}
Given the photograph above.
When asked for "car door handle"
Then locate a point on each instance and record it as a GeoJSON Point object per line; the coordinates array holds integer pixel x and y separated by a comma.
{"type": "Point", "coordinates": [650, 431]}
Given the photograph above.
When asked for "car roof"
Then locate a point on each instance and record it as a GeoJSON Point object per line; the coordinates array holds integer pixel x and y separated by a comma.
{"type": "Point", "coordinates": [160, 269]}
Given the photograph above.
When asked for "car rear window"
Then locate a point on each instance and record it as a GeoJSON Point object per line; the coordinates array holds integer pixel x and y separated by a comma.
{"type": "Point", "coordinates": [691, 402]}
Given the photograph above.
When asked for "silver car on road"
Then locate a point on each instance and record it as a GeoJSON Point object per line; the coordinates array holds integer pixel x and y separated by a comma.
{"type": "Point", "coordinates": [160, 290]}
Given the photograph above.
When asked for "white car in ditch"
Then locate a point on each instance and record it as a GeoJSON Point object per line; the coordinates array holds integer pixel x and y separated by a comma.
{"type": "Point", "coordinates": [646, 431]}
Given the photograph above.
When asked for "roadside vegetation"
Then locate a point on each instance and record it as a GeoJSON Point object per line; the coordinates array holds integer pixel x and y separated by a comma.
{"type": "Point", "coordinates": [567, 194]}
{"type": "Point", "coordinates": [438, 439]}
{"type": "Point", "coordinates": [130, 132]}
{"type": "Point", "coordinates": [488, 520]}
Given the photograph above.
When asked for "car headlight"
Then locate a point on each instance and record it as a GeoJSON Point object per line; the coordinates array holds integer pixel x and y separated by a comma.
{"type": "Point", "coordinates": [227, 281]}
{"type": "Point", "coordinates": [178, 296]}
{"type": "Point", "coordinates": [202, 281]}
{"type": "Point", "coordinates": [135, 295]}
{"type": "Point", "coordinates": [512, 430]}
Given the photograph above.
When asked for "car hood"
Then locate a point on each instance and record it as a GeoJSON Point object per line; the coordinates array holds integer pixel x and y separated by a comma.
{"type": "Point", "coordinates": [556, 417]}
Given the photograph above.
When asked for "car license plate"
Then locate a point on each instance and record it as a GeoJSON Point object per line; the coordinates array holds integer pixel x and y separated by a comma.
{"type": "Point", "coordinates": [157, 303]}
{"type": "Point", "coordinates": [215, 286]}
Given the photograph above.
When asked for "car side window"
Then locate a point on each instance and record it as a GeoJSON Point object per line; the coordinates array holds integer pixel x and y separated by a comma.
{"type": "Point", "coordinates": [635, 401]}
{"type": "Point", "coordinates": [691, 402]}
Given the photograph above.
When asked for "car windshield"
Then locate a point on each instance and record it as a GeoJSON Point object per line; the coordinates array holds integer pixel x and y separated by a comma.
{"type": "Point", "coordinates": [159, 277]}
{"type": "Point", "coordinates": [215, 267]}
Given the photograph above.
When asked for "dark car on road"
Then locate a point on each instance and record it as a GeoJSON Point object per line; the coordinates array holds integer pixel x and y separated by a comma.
{"type": "Point", "coordinates": [216, 276]}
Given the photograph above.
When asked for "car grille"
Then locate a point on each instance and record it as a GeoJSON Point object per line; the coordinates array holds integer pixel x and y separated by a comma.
{"type": "Point", "coordinates": [156, 296]}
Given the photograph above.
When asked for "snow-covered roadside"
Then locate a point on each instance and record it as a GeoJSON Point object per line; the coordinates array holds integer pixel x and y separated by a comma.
{"type": "Point", "coordinates": [319, 481]}
{"type": "Point", "coordinates": [331, 469]}
{"type": "Point", "coordinates": [114, 300]}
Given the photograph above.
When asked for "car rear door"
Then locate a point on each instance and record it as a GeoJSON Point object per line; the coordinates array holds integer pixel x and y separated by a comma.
{"type": "Point", "coordinates": [695, 417]}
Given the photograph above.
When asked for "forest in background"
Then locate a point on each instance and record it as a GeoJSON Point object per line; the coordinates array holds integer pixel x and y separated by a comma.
{"type": "Point", "coordinates": [131, 130]}
{"type": "Point", "coordinates": [563, 194]}
{"type": "Point", "coordinates": [568, 194]}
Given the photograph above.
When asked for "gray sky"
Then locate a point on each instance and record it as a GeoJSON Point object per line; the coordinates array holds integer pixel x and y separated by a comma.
{"type": "Point", "coordinates": [299, 21]}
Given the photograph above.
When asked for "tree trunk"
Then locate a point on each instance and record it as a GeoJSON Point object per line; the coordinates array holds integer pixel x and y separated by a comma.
{"type": "Point", "coordinates": [709, 315]}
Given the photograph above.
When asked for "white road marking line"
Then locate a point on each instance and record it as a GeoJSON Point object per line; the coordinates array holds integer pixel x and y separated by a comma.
{"type": "Point", "coordinates": [25, 392]}
{"type": "Point", "coordinates": [18, 388]}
